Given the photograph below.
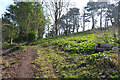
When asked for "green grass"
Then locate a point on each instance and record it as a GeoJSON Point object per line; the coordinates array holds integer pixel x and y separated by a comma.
{"type": "Point", "coordinates": [81, 44]}
{"type": "Point", "coordinates": [15, 62]}
{"type": "Point", "coordinates": [72, 56]}
{"type": "Point", "coordinates": [54, 63]}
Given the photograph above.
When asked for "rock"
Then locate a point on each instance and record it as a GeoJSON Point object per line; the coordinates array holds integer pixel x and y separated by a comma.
{"type": "Point", "coordinates": [100, 47]}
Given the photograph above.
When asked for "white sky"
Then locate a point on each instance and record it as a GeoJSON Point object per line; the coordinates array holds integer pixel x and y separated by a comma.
{"type": "Point", "coordinates": [78, 3]}
{"type": "Point", "coordinates": [5, 3]}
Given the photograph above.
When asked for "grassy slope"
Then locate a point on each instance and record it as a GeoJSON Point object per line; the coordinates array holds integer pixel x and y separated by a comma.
{"type": "Point", "coordinates": [73, 57]}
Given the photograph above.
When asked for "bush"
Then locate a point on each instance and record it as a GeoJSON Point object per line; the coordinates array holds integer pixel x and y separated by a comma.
{"type": "Point", "coordinates": [45, 44]}
{"type": "Point", "coordinates": [31, 37]}
{"type": "Point", "coordinates": [5, 44]}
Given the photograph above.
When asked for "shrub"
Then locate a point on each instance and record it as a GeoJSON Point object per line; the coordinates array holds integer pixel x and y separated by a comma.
{"type": "Point", "coordinates": [45, 44]}
{"type": "Point", "coordinates": [31, 37]}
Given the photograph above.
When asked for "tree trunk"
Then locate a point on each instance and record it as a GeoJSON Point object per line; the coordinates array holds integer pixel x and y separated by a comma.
{"type": "Point", "coordinates": [20, 35]}
{"type": "Point", "coordinates": [101, 19]}
{"type": "Point", "coordinates": [73, 24]}
{"type": "Point", "coordinates": [119, 21]}
{"type": "Point", "coordinates": [48, 30]}
{"type": "Point", "coordinates": [69, 30]}
{"type": "Point", "coordinates": [56, 20]}
{"type": "Point", "coordinates": [83, 23]}
{"type": "Point", "coordinates": [66, 31]}
{"type": "Point", "coordinates": [59, 32]}
{"type": "Point", "coordinates": [39, 33]}
{"type": "Point", "coordinates": [11, 40]}
{"type": "Point", "coordinates": [106, 23]}
{"type": "Point", "coordinates": [77, 29]}
{"type": "Point", "coordinates": [93, 22]}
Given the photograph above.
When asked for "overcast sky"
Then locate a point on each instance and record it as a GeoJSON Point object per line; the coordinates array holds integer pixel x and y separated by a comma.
{"type": "Point", "coordinates": [5, 3]}
{"type": "Point", "coordinates": [77, 3]}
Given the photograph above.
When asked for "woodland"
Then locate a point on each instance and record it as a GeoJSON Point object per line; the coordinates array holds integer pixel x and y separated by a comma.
{"type": "Point", "coordinates": [50, 39]}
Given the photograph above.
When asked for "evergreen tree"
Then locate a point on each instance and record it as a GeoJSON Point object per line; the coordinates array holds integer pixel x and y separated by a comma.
{"type": "Point", "coordinates": [27, 17]}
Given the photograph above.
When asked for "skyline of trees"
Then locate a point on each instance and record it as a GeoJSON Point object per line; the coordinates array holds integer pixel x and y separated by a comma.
{"type": "Point", "coordinates": [24, 19]}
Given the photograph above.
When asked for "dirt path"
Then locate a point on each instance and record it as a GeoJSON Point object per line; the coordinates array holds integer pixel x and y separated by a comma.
{"type": "Point", "coordinates": [22, 69]}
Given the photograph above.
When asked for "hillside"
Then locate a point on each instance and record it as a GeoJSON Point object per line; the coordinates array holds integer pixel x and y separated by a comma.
{"type": "Point", "coordinates": [71, 56]}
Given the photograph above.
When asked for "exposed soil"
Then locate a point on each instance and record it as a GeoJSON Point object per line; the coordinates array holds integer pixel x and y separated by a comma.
{"type": "Point", "coordinates": [23, 67]}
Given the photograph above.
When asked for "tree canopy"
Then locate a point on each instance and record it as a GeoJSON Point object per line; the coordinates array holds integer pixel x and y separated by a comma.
{"type": "Point", "coordinates": [22, 19]}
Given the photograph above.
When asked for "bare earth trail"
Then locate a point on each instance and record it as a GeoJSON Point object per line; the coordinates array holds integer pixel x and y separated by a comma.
{"type": "Point", "coordinates": [22, 69]}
